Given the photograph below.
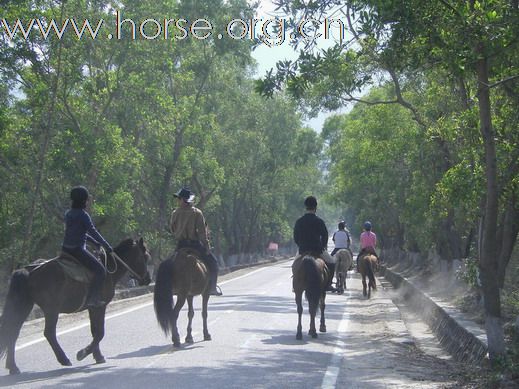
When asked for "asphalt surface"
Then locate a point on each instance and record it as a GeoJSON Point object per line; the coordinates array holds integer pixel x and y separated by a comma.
{"type": "Point", "coordinates": [253, 328]}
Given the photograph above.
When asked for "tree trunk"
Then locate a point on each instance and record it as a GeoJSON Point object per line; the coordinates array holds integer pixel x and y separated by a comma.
{"type": "Point", "coordinates": [488, 256]}
{"type": "Point", "coordinates": [507, 236]}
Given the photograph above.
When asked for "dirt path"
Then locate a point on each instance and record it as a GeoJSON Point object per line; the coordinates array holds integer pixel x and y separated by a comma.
{"type": "Point", "coordinates": [381, 351]}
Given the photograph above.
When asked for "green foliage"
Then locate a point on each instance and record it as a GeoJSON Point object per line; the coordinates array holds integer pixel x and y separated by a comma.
{"type": "Point", "coordinates": [469, 272]}
{"type": "Point", "coordinates": [133, 120]}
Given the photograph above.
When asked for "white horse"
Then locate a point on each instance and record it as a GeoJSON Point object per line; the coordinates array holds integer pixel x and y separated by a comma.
{"type": "Point", "coordinates": [344, 261]}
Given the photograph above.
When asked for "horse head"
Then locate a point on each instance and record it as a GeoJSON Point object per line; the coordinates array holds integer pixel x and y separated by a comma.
{"type": "Point", "coordinates": [136, 256]}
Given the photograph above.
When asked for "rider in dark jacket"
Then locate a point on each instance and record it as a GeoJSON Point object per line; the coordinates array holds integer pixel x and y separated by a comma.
{"type": "Point", "coordinates": [78, 229]}
{"type": "Point", "coordinates": [310, 233]}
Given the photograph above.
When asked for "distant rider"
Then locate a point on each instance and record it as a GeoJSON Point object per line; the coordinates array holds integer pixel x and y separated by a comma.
{"type": "Point", "coordinates": [341, 238]}
{"type": "Point", "coordinates": [368, 242]}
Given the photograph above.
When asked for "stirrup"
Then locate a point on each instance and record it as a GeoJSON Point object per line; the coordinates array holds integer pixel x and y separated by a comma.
{"type": "Point", "coordinates": [216, 292]}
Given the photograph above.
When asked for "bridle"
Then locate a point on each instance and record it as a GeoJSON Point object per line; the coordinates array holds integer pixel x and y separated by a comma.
{"type": "Point", "coordinates": [117, 259]}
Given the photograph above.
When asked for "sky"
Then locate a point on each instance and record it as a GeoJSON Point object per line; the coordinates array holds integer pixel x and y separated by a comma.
{"type": "Point", "coordinates": [267, 57]}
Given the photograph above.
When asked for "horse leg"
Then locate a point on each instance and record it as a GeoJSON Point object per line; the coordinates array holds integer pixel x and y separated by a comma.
{"type": "Point", "coordinates": [364, 286]}
{"type": "Point", "coordinates": [312, 307]}
{"type": "Point", "coordinates": [205, 300]}
{"type": "Point", "coordinates": [299, 303]}
{"type": "Point", "coordinates": [190, 314]}
{"type": "Point", "coordinates": [97, 329]}
{"type": "Point", "coordinates": [322, 304]}
{"type": "Point", "coordinates": [181, 299]}
{"type": "Point", "coordinates": [51, 319]}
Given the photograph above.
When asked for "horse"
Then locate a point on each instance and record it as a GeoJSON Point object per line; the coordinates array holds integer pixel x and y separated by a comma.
{"type": "Point", "coordinates": [310, 275]}
{"type": "Point", "coordinates": [367, 267]}
{"type": "Point", "coordinates": [185, 276]}
{"type": "Point", "coordinates": [55, 292]}
{"type": "Point", "coordinates": [344, 261]}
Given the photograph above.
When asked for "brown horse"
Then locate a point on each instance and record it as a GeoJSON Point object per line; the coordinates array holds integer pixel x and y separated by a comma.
{"type": "Point", "coordinates": [310, 275]}
{"type": "Point", "coordinates": [368, 266]}
{"type": "Point", "coordinates": [344, 261]}
{"type": "Point", "coordinates": [185, 276]}
{"type": "Point", "coordinates": [54, 291]}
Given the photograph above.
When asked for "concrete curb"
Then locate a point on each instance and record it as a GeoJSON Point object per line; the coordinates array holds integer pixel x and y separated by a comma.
{"type": "Point", "coordinates": [462, 338]}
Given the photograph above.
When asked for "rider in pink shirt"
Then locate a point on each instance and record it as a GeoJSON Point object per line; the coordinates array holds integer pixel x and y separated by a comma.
{"type": "Point", "coordinates": [368, 239]}
{"type": "Point", "coordinates": [368, 242]}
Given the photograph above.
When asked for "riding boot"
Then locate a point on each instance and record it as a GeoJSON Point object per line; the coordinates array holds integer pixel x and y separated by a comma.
{"type": "Point", "coordinates": [213, 291]}
{"type": "Point", "coordinates": [93, 299]}
{"type": "Point", "coordinates": [331, 268]}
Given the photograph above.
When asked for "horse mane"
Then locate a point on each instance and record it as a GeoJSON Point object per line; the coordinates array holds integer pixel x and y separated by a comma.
{"type": "Point", "coordinates": [125, 245]}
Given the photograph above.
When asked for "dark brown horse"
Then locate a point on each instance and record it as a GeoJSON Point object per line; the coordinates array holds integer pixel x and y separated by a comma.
{"type": "Point", "coordinates": [54, 291]}
{"type": "Point", "coordinates": [368, 265]}
{"type": "Point", "coordinates": [310, 275]}
{"type": "Point", "coordinates": [185, 276]}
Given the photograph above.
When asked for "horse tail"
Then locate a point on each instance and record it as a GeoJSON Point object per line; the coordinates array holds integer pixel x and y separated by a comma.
{"type": "Point", "coordinates": [18, 305]}
{"type": "Point", "coordinates": [371, 274]}
{"type": "Point", "coordinates": [163, 295]}
{"type": "Point", "coordinates": [312, 280]}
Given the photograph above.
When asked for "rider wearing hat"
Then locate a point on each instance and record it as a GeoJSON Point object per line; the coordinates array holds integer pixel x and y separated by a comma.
{"type": "Point", "coordinates": [78, 229]}
{"type": "Point", "coordinates": [368, 242]}
{"type": "Point", "coordinates": [190, 230]}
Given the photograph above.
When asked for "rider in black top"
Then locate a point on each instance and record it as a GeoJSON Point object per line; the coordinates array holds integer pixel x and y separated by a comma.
{"type": "Point", "coordinates": [310, 233]}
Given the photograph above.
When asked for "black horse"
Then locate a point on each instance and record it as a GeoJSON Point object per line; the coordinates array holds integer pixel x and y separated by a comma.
{"type": "Point", "coordinates": [54, 291]}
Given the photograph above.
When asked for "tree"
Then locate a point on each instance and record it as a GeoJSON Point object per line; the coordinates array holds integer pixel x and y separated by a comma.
{"type": "Point", "coordinates": [401, 38]}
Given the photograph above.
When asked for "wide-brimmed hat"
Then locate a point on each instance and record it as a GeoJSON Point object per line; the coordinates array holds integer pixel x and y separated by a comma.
{"type": "Point", "coordinates": [185, 194]}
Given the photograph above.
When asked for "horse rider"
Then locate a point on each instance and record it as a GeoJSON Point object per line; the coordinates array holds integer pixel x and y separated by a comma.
{"type": "Point", "coordinates": [311, 236]}
{"type": "Point", "coordinates": [341, 238]}
{"type": "Point", "coordinates": [368, 242]}
{"type": "Point", "coordinates": [190, 230]}
{"type": "Point", "coordinates": [78, 229]}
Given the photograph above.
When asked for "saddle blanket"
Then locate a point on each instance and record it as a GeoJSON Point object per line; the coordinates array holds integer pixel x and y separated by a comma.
{"type": "Point", "coordinates": [70, 265]}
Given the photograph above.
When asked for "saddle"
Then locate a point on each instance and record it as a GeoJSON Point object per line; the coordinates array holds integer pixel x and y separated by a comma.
{"type": "Point", "coordinates": [299, 260]}
{"type": "Point", "coordinates": [70, 265]}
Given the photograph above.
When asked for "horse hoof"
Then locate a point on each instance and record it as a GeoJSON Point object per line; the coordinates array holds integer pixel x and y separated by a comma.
{"type": "Point", "coordinates": [14, 371]}
{"type": "Point", "coordinates": [177, 344]}
{"type": "Point", "coordinates": [299, 337]}
{"type": "Point", "coordinates": [189, 339]}
{"type": "Point", "coordinates": [313, 334]}
{"type": "Point", "coordinates": [207, 337]}
{"type": "Point", "coordinates": [81, 354]}
{"type": "Point", "coordinates": [66, 362]}
{"type": "Point", "coordinates": [100, 360]}
{"type": "Point", "coordinates": [322, 329]}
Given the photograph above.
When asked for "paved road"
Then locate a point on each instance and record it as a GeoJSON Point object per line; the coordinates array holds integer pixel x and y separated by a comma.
{"type": "Point", "coordinates": [253, 328]}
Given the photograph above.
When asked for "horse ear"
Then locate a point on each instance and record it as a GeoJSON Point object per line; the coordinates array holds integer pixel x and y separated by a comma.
{"type": "Point", "coordinates": [141, 242]}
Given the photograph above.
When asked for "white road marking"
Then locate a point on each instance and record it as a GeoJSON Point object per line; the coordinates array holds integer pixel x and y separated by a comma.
{"type": "Point", "coordinates": [108, 317]}
{"type": "Point", "coordinates": [332, 372]}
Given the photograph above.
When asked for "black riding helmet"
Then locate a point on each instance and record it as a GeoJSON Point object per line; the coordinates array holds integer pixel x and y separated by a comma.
{"type": "Point", "coordinates": [79, 196]}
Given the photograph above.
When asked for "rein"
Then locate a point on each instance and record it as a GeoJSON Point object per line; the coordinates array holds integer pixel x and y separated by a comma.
{"type": "Point", "coordinates": [130, 270]}
{"type": "Point", "coordinates": [118, 259]}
